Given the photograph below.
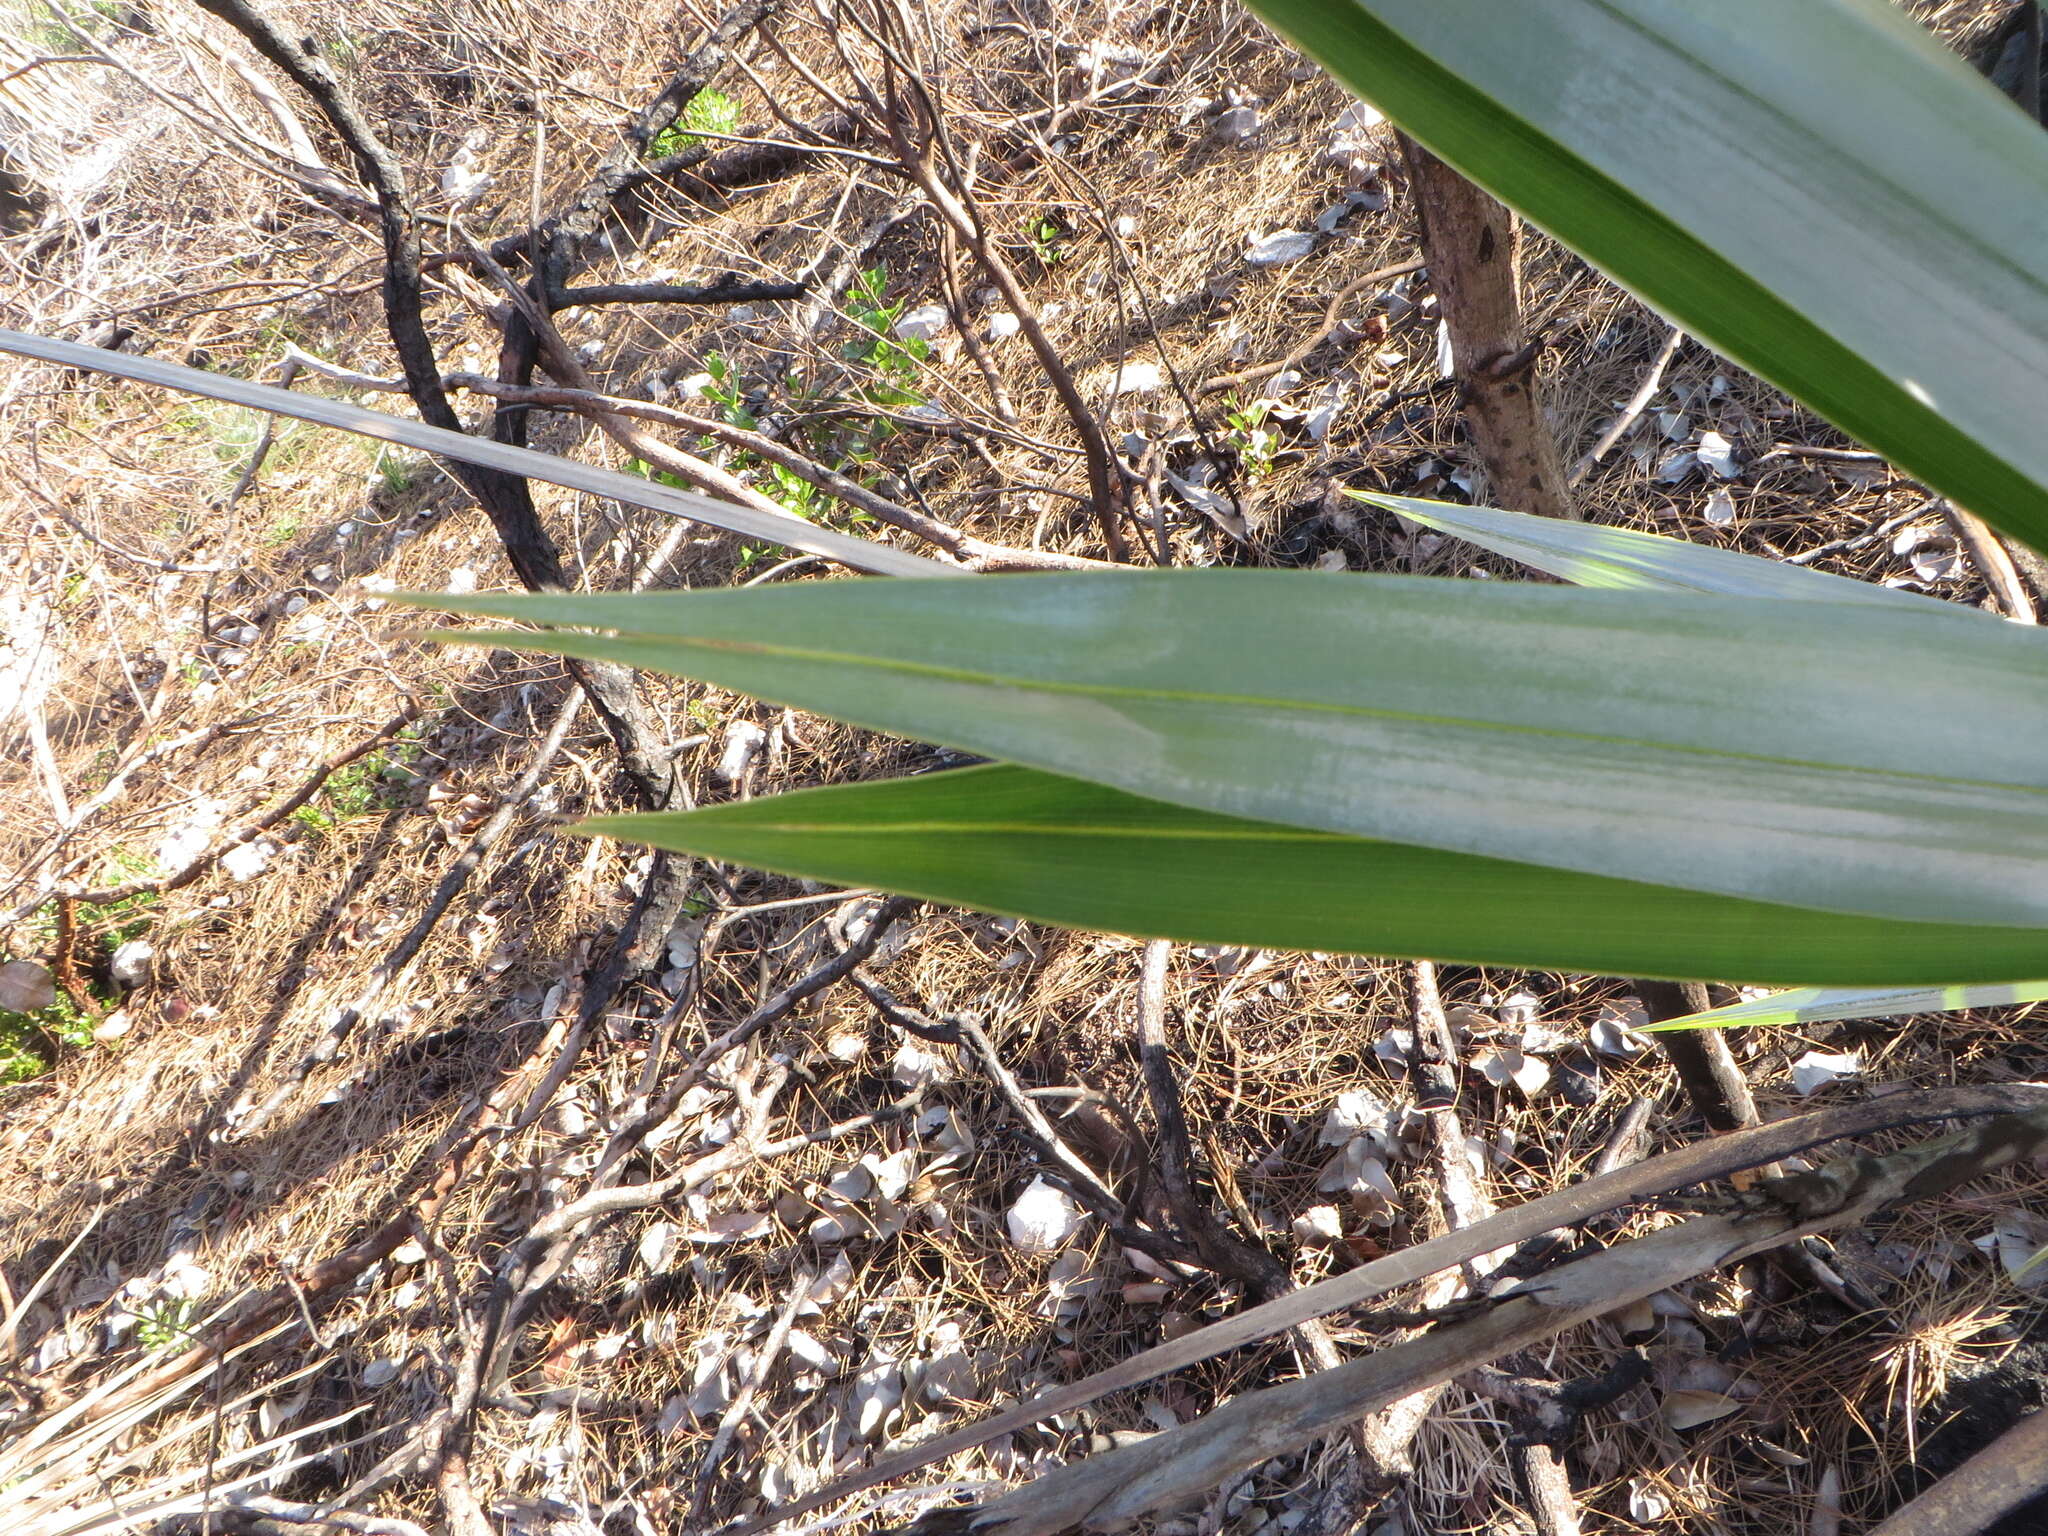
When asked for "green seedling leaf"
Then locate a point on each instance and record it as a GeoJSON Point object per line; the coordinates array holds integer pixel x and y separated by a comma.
{"type": "Point", "coordinates": [1823, 1005]}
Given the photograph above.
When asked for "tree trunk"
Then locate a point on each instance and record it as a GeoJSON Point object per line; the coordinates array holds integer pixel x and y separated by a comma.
{"type": "Point", "coordinates": [1471, 243]}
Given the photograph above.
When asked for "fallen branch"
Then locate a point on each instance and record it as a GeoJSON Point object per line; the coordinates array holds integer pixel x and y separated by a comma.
{"type": "Point", "coordinates": [1071, 1168]}
{"type": "Point", "coordinates": [841, 549]}
{"type": "Point", "coordinates": [1109, 1489]}
{"type": "Point", "coordinates": [1220, 1250]}
{"type": "Point", "coordinates": [1994, 563]}
{"type": "Point", "coordinates": [393, 965]}
{"type": "Point", "coordinates": [1715, 1158]}
{"type": "Point", "coordinates": [1388, 1434]}
{"type": "Point", "coordinates": [916, 129]}
{"type": "Point", "coordinates": [727, 290]}
{"type": "Point", "coordinates": [1638, 402]}
{"type": "Point", "coordinates": [528, 1265]}
{"type": "Point", "coordinates": [628, 167]}
{"type": "Point", "coordinates": [974, 554]}
{"type": "Point", "coordinates": [765, 1360]}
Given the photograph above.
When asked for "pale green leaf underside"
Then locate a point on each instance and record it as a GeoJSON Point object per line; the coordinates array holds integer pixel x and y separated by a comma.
{"type": "Point", "coordinates": [1822, 1005]}
{"type": "Point", "coordinates": [1011, 840]}
{"type": "Point", "coordinates": [1590, 555]}
{"type": "Point", "coordinates": [1815, 189]}
{"type": "Point", "coordinates": [1840, 756]}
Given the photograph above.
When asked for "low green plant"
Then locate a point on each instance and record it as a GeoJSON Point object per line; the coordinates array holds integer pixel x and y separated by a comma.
{"type": "Point", "coordinates": [1049, 236]}
{"type": "Point", "coordinates": [231, 432]}
{"type": "Point", "coordinates": [645, 471]}
{"type": "Point", "coordinates": [724, 392]}
{"type": "Point", "coordinates": [116, 922]}
{"type": "Point", "coordinates": [166, 1327]}
{"type": "Point", "coordinates": [343, 51]}
{"type": "Point", "coordinates": [371, 783]}
{"type": "Point", "coordinates": [798, 496]}
{"type": "Point", "coordinates": [896, 359]}
{"type": "Point", "coordinates": [396, 471]}
{"type": "Point", "coordinates": [1255, 443]}
{"type": "Point", "coordinates": [21, 1055]}
{"type": "Point", "coordinates": [49, 28]}
{"type": "Point", "coordinates": [708, 111]}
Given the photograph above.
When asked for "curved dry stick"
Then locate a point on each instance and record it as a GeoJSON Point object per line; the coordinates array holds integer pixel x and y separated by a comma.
{"type": "Point", "coordinates": [1332, 313]}
{"type": "Point", "coordinates": [1696, 1164]}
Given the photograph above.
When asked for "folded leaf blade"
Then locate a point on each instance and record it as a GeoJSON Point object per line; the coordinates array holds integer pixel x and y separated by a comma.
{"type": "Point", "coordinates": [1593, 555]}
{"type": "Point", "coordinates": [1027, 844]}
{"type": "Point", "coordinates": [1836, 756]}
{"type": "Point", "coordinates": [1826, 1005]}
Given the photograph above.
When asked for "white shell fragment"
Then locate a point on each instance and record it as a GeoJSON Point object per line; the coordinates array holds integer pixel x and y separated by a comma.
{"type": "Point", "coordinates": [2020, 1242]}
{"type": "Point", "coordinates": [1280, 247]}
{"type": "Point", "coordinates": [1687, 1409]}
{"type": "Point", "coordinates": [1137, 378]}
{"type": "Point", "coordinates": [1355, 144]}
{"type": "Point", "coordinates": [1501, 1065]}
{"type": "Point", "coordinates": [1614, 1028]}
{"type": "Point", "coordinates": [1044, 1218]}
{"type": "Point", "coordinates": [1718, 454]}
{"type": "Point", "coordinates": [1234, 125]}
{"type": "Point", "coordinates": [129, 965]}
{"type": "Point", "coordinates": [1817, 1069]}
{"type": "Point", "coordinates": [245, 861]}
{"type": "Point", "coordinates": [1357, 1113]}
{"type": "Point", "coordinates": [743, 740]}
{"type": "Point", "coordinates": [922, 323]}
{"type": "Point", "coordinates": [1320, 1226]}
{"type": "Point", "coordinates": [1646, 1503]}
{"type": "Point", "coordinates": [918, 1066]}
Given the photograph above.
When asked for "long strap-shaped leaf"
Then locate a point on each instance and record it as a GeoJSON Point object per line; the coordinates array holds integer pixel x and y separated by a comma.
{"type": "Point", "coordinates": [1012, 840]}
{"type": "Point", "coordinates": [1592, 555]}
{"type": "Point", "coordinates": [1823, 1005]}
{"type": "Point", "coordinates": [859, 554]}
{"type": "Point", "coordinates": [1836, 756]}
{"type": "Point", "coordinates": [1815, 188]}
